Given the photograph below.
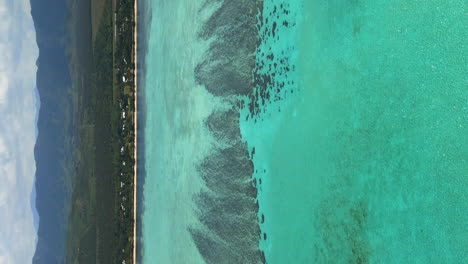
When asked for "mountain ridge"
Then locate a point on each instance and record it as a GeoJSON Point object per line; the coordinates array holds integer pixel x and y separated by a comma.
{"type": "Point", "coordinates": [53, 128]}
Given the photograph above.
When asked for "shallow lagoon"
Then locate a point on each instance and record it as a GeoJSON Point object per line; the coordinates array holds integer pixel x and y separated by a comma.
{"type": "Point", "coordinates": [174, 134]}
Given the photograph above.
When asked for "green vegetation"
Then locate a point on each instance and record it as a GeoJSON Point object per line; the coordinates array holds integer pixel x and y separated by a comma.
{"type": "Point", "coordinates": [100, 226]}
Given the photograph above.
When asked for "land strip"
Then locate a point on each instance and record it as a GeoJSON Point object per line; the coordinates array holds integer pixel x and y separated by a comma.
{"type": "Point", "coordinates": [102, 48]}
{"type": "Point", "coordinates": [125, 88]}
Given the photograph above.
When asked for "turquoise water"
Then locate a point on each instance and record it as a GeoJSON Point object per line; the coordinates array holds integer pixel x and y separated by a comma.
{"type": "Point", "coordinates": [357, 129]}
{"type": "Point", "coordinates": [367, 160]}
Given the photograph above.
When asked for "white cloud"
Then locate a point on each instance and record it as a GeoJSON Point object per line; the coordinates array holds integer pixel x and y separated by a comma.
{"type": "Point", "coordinates": [18, 55]}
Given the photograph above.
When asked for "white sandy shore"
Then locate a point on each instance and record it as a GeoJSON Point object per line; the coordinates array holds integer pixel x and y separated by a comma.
{"type": "Point", "coordinates": [135, 188]}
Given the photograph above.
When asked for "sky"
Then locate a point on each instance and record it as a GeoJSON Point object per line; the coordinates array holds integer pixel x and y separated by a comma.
{"type": "Point", "coordinates": [18, 110]}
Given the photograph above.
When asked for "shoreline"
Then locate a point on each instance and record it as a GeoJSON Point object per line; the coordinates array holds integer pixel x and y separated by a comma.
{"type": "Point", "coordinates": [135, 178]}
